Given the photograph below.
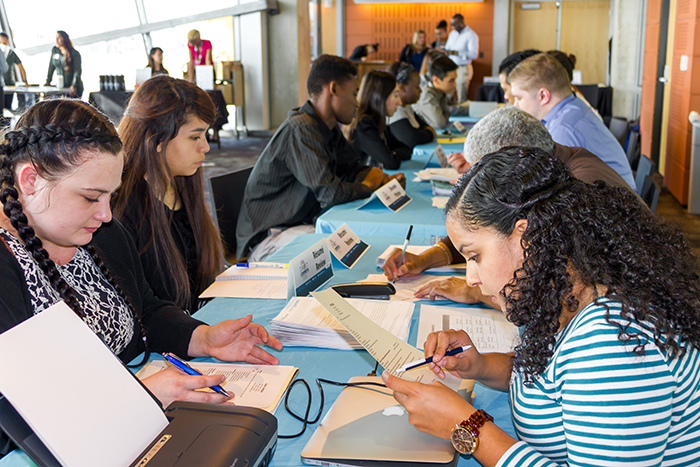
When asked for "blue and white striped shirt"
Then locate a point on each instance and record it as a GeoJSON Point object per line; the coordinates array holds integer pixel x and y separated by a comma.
{"type": "Point", "coordinates": [597, 403]}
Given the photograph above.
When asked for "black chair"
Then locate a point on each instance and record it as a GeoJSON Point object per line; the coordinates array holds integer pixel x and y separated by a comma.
{"type": "Point", "coordinates": [620, 128]}
{"type": "Point", "coordinates": [227, 192]}
{"type": "Point", "coordinates": [650, 193]}
{"type": "Point", "coordinates": [632, 149]}
{"type": "Point", "coordinates": [645, 167]}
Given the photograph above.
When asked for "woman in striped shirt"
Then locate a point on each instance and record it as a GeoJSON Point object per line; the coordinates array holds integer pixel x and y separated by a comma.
{"type": "Point", "coordinates": [608, 300]}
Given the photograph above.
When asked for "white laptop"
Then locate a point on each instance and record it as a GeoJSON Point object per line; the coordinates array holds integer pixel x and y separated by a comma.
{"type": "Point", "coordinates": [480, 109]}
{"type": "Point", "coordinates": [367, 427]}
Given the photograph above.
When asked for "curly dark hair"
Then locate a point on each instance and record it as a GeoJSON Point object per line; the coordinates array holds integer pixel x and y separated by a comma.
{"type": "Point", "coordinates": [596, 235]}
{"type": "Point", "coordinates": [54, 135]}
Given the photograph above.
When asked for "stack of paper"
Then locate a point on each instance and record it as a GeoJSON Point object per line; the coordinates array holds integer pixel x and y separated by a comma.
{"type": "Point", "coordinates": [417, 250]}
{"type": "Point", "coordinates": [257, 282]}
{"type": "Point", "coordinates": [444, 175]}
{"type": "Point", "coordinates": [260, 386]}
{"type": "Point", "coordinates": [405, 286]}
{"type": "Point", "coordinates": [304, 322]}
{"type": "Point", "coordinates": [441, 188]}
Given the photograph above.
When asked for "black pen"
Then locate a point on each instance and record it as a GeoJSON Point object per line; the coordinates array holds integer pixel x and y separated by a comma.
{"type": "Point", "coordinates": [403, 251]}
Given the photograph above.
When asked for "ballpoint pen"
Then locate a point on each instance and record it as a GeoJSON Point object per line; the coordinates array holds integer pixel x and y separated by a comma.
{"type": "Point", "coordinates": [180, 365]}
{"type": "Point", "coordinates": [262, 265]}
{"type": "Point", "coordinates": [403, 251]}
{"type": "Point", "coordinates": [417, 363]}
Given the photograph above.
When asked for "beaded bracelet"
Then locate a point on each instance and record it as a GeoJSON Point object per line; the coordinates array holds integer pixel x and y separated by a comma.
{"type": "Point", "coordinates": [446, 251]}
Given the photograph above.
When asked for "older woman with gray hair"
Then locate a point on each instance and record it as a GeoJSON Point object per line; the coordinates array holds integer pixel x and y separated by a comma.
{"type": "Point", "coordinates": [506, 126]}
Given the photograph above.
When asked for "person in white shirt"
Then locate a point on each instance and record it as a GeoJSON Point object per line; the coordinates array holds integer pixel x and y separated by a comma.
{"type": "Point", "coordinates": [462, 47]}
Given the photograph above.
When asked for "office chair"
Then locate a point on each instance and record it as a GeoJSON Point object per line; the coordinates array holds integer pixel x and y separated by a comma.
{"type": "Point", "coordinates": [650, 193]}
{"type": "Point", "coordinates": [645, 167]}
{"type": "Point", "coordinates": [227, 192]}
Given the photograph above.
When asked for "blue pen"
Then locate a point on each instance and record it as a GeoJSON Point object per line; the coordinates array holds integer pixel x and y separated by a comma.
{"type": "Point", "coordinates": [417, 363]}
{"type": "Point", "coordinates": [180, 365]}
{"type": "Point", "coordinates": [262, 265]}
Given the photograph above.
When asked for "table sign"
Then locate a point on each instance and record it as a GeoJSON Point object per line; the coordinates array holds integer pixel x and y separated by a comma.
{"type": "Point", "coordinates": [309, 270]}
{"type": "Point", "coordinates": [459, 126]}
{"type": "Point", "coordinates": [347, 247]}
{"type": "Point", "coordinates": [441, 156]}
{"type": "Point", "coordinates": [392, 195]}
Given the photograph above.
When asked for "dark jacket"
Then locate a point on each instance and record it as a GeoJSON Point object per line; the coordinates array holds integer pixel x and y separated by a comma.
{"type": "Point", "coordinates": [376, 148]}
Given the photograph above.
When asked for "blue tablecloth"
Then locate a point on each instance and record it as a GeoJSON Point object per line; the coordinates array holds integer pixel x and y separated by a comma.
{"type": "Point", "coordinates": [424, 151]}
{"type": "Point", "coordinates": [464, 119]}
{"type": "Point", "coordinates": [320, 363]}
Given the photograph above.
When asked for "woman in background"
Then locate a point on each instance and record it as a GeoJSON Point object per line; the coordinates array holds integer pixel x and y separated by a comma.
{"type": "Point", "coordinates": [405, 125]}
{"type": "Point", "coordinates": [161, 200]}
{"type": "Point", "coordinates": [200, 52]}
{"type": "Point", "coordinates": [155, 62]}
{"type": "Point", "coordinates": [368, 132]}
{"type": "Point", "coordinates": [414, 52]}
{"type": "Point", "coordinates": [360, 53]}
{"type": "Point", "coordinates": [440, 35]}
{"type": "Point", "coordinates": [66, 62]}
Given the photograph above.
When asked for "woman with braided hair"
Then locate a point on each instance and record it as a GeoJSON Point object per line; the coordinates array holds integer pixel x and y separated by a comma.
{"type": "Point", "coordinates": [161, 201]}
{"type": "Point", "coordinates": [59, 169]}
{"type": "Point", "coordinates": [608, 300]}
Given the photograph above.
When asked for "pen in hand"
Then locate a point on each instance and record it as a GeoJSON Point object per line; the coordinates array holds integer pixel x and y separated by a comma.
{"type": "Point", "coordinates": [403, 251]}
{"type": "Point", "coordinates": [418, 363]}
{"type": "Point", "coordinates": [182, 366]}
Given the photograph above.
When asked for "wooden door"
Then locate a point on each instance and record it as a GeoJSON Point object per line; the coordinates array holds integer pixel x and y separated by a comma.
{"type": "Point", "coordinates": [584, 32]}
{"type": "Point", "coordinates": [535, 29]}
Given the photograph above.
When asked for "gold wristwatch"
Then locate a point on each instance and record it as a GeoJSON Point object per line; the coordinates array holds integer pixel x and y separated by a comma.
{"type": "Point", "coordinates": [465, 436]}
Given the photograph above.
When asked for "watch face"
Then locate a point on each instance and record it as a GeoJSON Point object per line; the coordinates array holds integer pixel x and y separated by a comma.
{"type": "Point", "coordinates": [463, 440]}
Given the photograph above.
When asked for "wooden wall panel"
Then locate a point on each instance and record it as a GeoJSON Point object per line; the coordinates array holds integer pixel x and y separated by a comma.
{"type": "Point", "coordinates": [651, 52]}
{"type": "Point", "coordinates": [392, 25]}
{"type": "Point", "coordinates": [685, 90]}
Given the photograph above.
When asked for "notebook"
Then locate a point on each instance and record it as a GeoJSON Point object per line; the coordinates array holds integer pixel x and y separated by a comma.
{"type": "Point", "coordinates": [366, 426]}
{"type": "Point", "coordinates": [260, 282]}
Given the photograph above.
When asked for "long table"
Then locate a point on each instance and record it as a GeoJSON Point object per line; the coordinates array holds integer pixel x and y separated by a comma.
{"type": "Point", "coordinates": [375, 219]}
{"type": "Point", "coordinates": [335, 365]}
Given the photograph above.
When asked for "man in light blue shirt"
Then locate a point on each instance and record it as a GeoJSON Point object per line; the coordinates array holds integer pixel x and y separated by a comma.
{"type": "Point", "coordinates": [540, 86]}
{"type": "Point", "coordinates": [462, 47]}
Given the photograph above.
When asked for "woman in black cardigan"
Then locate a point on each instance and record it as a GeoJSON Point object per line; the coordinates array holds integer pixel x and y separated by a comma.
{"type": "Point", "coordinates": [368, 132]}
{"type": "Point", "coordinates": [405, 125]}
{"type": "Point", "coordinates": [59, 169]}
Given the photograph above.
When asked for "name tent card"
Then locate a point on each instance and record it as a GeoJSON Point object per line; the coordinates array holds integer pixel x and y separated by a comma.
{"type": "Point", "coordinates": [441, 156]}
{"type": "Point", "coordinates": [309, 270]}
{"type": "Point", "coordinates": [392, 195]}
{"type": "Point", "coordinates": [347, 247]}
{"type": "Point", "coordinates": [459, 126]}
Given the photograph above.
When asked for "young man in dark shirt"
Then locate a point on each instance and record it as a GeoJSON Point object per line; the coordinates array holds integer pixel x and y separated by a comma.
{"type": "Point", "coordinates": [308, 166]}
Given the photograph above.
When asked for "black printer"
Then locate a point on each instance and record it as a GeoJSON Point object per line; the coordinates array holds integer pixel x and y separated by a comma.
{"type": "Point", "coordinates": [211, 435]}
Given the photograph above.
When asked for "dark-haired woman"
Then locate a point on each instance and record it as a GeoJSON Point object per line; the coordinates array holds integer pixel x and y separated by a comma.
{"type": "Point", "coordinates": [569, 64]}
{"type": "Point", "coordinates": [58, 170]}
{"type": "Point", "coordinates": [368, 132]}
{"type": "Point", "coordinates": [66, 62]}
{"type": "Point", "coordinates": [161, 201]}
{"type": "Point", "coordinates": [405, 125]}
{"type": "Point", "coordinates": [155, 62]}
{"type": "Point", "coordinates": [608, 300]}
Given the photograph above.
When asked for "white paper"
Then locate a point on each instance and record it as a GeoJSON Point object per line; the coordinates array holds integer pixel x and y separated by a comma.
{"type": "Point", "coordinates": [305, 322]}
{"type": "Point", "coordinates": [347, 247]}
{"type": "Point", "coordinates": [443, 175]}
{"type": "Point", "coordinates": [204, 77]}
{"type": "Point", "coordinates": [417, 250]}
{"type": "Point", "coordinates": [260, 386]}
{"type": "Point", "coordinates": [75, 394]}
{"type": "Point", "coordinates": [142, 74]}
{"type": "Point", "coordinates": [405, 286]}
{"type": "Point", "coordinates": [440, 201]}
{"type": "Point", "coordinates": [249, 283]}
{"type": "Point", "coordinates": [488, 328]}
{"type": "Point", "coordinates": [459, 127]}
{"type": "Point", "coordinates": [390, 351]}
